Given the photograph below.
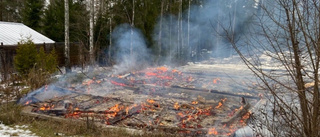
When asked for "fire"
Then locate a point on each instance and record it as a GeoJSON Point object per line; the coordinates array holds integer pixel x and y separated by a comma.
{"type": "Point", "coordinates": [98, 81]}
{"type": "Point", "coordinates": [28, 102]}
{"type": "Point", "coordinates": [194, 102]}
{"type": "Point", "coordinates": [88, 83]}
{"type": "Point", "coordinates": [174, 70]}
{"type": "Point", "coordinates": [212, 131]}
{"type": "Point", "coordinates": [46, 107]}
{"type": "Point", "coordinates": [180, 114]}
{"type": "Point", "coordinates": [221, 103]}
{"type": "Point", "coordinates": [151, 101]}
{"type": "Point", "coordinates": [163, 69]}
{"type": "Point", "coordinates": [114, 110]}
{"type": "Point", "coordinates": [234, 111]}
{"type": "Point", "coordinates": [151, 74]}
{"type": "Point", "coordinates": [206, 111]}
{"type": "Point", "coordinates": [127, 110]}
{"type": "Point", "coordinates": [118, 84]}
{"type": "Point", "coordinates": [216, 80]}
{"type": "Point", "coordinates": [246, 116]}
{"type": "Point", "coordinates": [176, 106]}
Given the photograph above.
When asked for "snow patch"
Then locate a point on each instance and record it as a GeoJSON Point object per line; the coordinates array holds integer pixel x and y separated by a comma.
{"type": "Point", "coordinates": [20, 131]}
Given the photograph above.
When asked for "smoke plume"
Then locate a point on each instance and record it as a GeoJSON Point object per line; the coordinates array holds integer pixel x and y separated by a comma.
{"type": "Point", "coordinates": [131, 49]}
{"type": "Point", "coordinates": [203, 28]}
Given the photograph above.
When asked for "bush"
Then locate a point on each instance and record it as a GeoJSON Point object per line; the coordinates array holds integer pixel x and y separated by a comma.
{"type": "Point", "coordinates": [26, 57]}
{"type": "Point", "coordinates": [35, 67]}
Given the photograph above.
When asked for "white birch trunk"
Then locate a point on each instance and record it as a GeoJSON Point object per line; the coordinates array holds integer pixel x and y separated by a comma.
{"type": "Point", "coordinates": [110, 39]}
{"type": "Point", "coordinates": [132, 24]}
{"type": "Point", "coordinates": [91, 32]}
{"type": "Point", "coordinates": [181, 31]}
{"type": "Point", "coordinates": [160, 30]}
{"type": "Point", "coordinates": [188, 37]}
{"type": "Point", "coordinates": [66, 36]}
{"type": "Point", "coordinates": [170, 38]}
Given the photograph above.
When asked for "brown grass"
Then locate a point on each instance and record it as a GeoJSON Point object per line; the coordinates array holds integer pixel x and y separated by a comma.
{"type": "Point", "coordinates": [11, 115]}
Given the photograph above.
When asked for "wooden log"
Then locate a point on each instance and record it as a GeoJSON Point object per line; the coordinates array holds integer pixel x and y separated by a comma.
{"type": "Point", "coordinates": [123, 114]}
{"type": "Point", "coordinates": [237, 114]}
{"type": "Point", "coordinates": [214, 91]}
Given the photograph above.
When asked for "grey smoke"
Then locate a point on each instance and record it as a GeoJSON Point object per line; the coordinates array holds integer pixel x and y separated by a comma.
{"type": "Point", "coordinates": [205, 28]}
{"type": "Point", "coordinates": [130, 49]}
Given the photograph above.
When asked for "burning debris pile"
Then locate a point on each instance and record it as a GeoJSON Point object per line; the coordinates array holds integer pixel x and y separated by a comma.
{"type": "Point", "coordinates": [153, 99]}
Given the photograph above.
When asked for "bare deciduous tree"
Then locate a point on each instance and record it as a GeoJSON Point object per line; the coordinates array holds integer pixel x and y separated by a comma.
{"type": "Point", "coordinates": [288, 32]}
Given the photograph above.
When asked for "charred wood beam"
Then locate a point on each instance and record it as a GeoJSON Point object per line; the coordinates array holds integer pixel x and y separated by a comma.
{"type": "Point", "coordinates": [124, 114]}
{"type": "Point", "coordinates": [237, 114]}
{"type": "Point", "coordinates": [215, 92]}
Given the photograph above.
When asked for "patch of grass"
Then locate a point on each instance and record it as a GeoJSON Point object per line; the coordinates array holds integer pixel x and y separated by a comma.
{"type": "Point", "coordinates": [11, 115]}
{"type": "Point", "coordinates": [73, 128]}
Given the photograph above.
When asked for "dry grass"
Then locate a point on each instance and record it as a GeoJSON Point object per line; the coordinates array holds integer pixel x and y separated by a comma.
{"type": "Point", "coordinates": [11, 115]}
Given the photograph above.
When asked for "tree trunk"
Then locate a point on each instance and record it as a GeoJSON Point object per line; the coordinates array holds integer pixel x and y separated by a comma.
{"type": "Point", "coordinates": [132, 24]}
{"type": "Point", "coordinates": [91, 32]}
{"type": "Point", "coordinates": [1, 9]}
{"type": "Point", "coordinates": [67, 44]}
{"type": "Point", "coordinates": [160, 30]}
{"type": "Point", "coordinates": [188, 41]}
{"type": "Point", "coordinates": [181, 31]}
{"type": "Point", "coordinates": [170, 38]}
{"type": "Point", "coordinates": [110, 40]}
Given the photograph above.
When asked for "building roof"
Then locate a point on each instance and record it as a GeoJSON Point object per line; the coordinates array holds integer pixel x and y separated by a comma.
{"type": "Point", "coordinates": [12, 33]}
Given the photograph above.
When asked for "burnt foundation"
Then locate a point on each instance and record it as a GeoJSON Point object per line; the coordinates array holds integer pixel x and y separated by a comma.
{"type": "Point", "coordinates": [158, 99]}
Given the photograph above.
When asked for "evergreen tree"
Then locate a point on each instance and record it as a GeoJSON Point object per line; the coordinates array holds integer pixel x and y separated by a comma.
{"type": "Point", "coordinates": [78, 17]}
{"type": "Point", "coordinates": [10, 10]}
{"type": "Point", "coordinates": [32, 13]}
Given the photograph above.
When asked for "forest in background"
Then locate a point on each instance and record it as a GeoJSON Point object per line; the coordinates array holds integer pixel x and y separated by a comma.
{"type": "Point", "coordinates": [175, 31]}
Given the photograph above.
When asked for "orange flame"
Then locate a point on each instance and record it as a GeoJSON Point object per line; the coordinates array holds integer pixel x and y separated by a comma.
{"type": "Point", "coordinates": [115, 108]}
{"type": "Point", "coordinates": [164, 69]}
{"type": "Point", "coordinates": [176, 106]}
{"type": "Point", "coordinates": [127, 110]}
{"type": "Point", "coordinates": [27, 103]}
{"type": "Point", "coordinates": [151, 74]}
{"type": "Point", "coordinates": [221, 103]}
{"type": "Point", "coordinates": [118, 84]}
{"type": "Point", "coordinates": [151, 101]}
{"type": "Point", "coordinates": [181, 114]}
{"type": "Point", "coordinates": [216, 80]}
{"type": "Point", "coordinates": [46, 107]}
{"type": "Point", "coordinates": [194, 102]}
{"type": "Point", "coordinates": [212, 131]}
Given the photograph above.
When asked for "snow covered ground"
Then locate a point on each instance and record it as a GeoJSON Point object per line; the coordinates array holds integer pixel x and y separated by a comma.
{"type": "Point", "coordinates": [20, 131]}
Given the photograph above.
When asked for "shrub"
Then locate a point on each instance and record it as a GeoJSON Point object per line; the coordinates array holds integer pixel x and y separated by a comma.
{"type": "Point", "coordinates": [35, 67]}
{"type": "Point", "coordinates": [26, 57]}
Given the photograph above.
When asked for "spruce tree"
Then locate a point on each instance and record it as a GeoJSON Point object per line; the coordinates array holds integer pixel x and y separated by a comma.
{"type": "Point", "coordinates": [32, 14]}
